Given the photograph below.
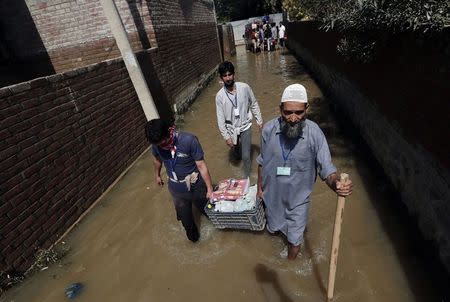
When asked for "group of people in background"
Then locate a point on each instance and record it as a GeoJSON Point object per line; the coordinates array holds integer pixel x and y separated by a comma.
{"type": "Point", "coordinates": [267, 36]}
{"type": "Point", "coordinates": [293, 152]}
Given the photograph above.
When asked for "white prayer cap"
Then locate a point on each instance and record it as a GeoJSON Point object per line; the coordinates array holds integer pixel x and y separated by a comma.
{"type": "Point", "coordinates": [294, 93]}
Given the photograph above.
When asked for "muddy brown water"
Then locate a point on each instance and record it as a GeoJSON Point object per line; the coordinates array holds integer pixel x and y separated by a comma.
{"type": "Point", "coordinates": [131, 248]}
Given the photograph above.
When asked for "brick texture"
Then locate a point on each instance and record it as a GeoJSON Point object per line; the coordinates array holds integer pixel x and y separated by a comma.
{"type": "Point", "coordinates": [66, 137]}
{"type": "Point", "coordinates": [73, 33]}
{"type": "Point", "coordinates": [65, 34]}
{"type": "Point", "coordinates": [84, 136]}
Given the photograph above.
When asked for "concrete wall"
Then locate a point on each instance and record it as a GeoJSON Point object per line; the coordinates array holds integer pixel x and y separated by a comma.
{"type": "Point", "coordinates": [387, 100]}
{"type": "Point", "coordinates": [65, 138]}
{"type": "Point", "coordinates": [226, 38]}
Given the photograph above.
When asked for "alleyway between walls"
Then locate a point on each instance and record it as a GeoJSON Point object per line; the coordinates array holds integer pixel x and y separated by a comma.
{"type": "Point", "coordinates": [130, 247]}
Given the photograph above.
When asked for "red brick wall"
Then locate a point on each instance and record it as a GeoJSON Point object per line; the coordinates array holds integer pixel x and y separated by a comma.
{"type": "Point", "coordinates": [68, 34]}
{"type": "Point", "coordinates": [63, 140]}
{"type": "Point", "coordinates": [72, 33]}
{"type": "Point", "coordinates": [187, 43]}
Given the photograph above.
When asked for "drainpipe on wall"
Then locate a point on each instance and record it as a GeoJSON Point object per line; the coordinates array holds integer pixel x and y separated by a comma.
{"type": "Point", "coordinates": [131, 63]}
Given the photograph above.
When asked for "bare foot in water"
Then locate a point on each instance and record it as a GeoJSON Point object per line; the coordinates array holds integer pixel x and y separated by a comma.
{"type": "Point", "coordinates": [293, 251]}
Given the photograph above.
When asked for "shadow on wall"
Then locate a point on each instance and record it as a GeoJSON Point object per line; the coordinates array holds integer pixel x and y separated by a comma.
{"type": "Point", "coordinates": [154, 84]}
{"type": "Point", "coordinates": [187, 49]}
{"type": "Point", "coordinates": [186, 7]}
{"type": "Point", "coordinates": [220, 34]}
{"type": "Point", "coordinates": [132, 5]}
{"type": "Point", "coordinates": [23, 55]}
{"type": "Point", "coordinates": [146, 63]}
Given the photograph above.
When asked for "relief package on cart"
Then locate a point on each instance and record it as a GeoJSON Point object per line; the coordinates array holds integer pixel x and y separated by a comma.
{"type": "Point", "coordinates": [244, 203]}
{"type": "Point", "coordinates": [241, 211]}
{"type": "Point", "coordinates": [230, 189]}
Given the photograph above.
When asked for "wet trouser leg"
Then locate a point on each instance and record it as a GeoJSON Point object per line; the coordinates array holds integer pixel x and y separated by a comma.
{"type": "Point", "coordinates": [237, 153]}
{"type": "Point", "coordinates": [199, 192]}
{"type": "Point", "coordinates": [183, 207]}
{"type": "Point", "coordinates": [246, 144]}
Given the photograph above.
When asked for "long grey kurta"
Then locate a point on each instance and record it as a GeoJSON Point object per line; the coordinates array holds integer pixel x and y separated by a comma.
{"type": "Point", "coordinates": [287, 197]}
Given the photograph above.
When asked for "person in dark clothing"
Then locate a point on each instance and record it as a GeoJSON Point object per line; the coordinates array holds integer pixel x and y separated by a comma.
{"type": "Point", "coordinates": [188, 175]}
{"type": "Point", "coordinates": [268, 36]}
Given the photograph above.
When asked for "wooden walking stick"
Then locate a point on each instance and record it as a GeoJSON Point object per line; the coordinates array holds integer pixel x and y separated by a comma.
{"type": "Point", "coordinates": [336, 233]}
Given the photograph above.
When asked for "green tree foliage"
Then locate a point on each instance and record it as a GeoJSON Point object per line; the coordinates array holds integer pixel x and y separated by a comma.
{"type": "Point", "coordinates": [272, 6]}
{"type": "Point", "coordinates": [366, 15]}
{"type": "Point", "coordinates": [294, 10]}
{"type": "Point", "coordinates": [225, 10]}
{"type": "Point", "coordinates": [396, 15]}
{"type": "Point", "coordinates": [361, 20]}
{"type": "Point", "coordinates": [240, 9]}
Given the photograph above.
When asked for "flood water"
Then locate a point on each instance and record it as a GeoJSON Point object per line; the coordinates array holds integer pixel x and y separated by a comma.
{"type": "Point", "coordinates": [130, 247]}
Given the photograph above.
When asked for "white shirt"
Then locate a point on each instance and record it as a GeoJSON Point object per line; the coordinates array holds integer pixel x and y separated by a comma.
{"type": "Point", "coordinates": [281, 32]}
{"type": "Point", "coordinates": [244, 100]}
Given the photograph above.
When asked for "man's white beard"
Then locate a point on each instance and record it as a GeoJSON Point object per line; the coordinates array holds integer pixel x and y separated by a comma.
{"type": "Point", "coordinates": [292, 131]}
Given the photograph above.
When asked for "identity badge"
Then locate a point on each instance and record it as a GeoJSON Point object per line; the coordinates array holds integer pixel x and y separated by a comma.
{"type": "Point", "coordinates": [236, 112]}
{"type": "Point", "coordinates": [284, 171]}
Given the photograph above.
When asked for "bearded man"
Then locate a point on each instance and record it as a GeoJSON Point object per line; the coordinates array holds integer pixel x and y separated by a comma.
{"type": "Point", "coordinates": [235, 107]}
{"type": "Point", "coordinates": [293, 151]}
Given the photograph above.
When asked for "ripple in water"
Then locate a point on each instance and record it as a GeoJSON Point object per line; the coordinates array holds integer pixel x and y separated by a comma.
{"type": "Point", "coordinates": [170, 236]}
{"type": "Point", "coordinates": [276, 258]}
